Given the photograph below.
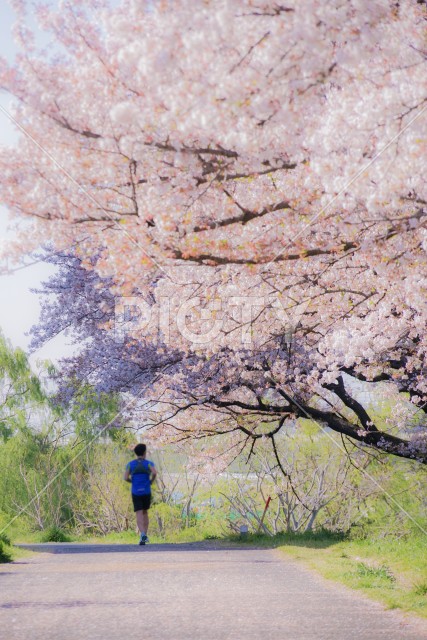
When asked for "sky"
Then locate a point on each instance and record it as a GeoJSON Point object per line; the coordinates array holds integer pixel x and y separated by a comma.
{"type": "Point", "coordinates": [19, 307]}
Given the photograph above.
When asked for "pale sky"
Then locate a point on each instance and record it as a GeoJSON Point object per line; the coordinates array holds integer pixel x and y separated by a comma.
{"type": "Point", "coordinates": [19, 307]}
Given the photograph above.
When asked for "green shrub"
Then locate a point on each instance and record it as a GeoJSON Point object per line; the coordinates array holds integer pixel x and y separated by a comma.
{"type": "Point", "coordinates": [382, 572]}
{"type": "Point", "coordinates": [5, 556]}
{"type": "Point", "coordinates": [54, 534]}
{"type": "Point", "coordinates": [165, 520]}
{"type": "Point", "coordinates": [421, 589]}
{"type": "Point", "coordinates": [4, 538]}
{"type": "Point", "coordinates": [372, 577]}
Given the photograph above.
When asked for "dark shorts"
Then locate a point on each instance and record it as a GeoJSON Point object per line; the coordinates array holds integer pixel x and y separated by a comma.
{"type": "Point", "coordinates": [141, 503]}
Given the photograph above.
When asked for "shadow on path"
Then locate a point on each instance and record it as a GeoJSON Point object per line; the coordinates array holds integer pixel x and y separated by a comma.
{"type": "Point", "coordinates": [253, 542]}
{"type": "Point", "coordinates": [79, 547]}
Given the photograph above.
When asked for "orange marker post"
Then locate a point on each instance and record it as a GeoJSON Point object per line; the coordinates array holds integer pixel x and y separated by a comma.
{"type": "Point", "coordinates": [267, 502]}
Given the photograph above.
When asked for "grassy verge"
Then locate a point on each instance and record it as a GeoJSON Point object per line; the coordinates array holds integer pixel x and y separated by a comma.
{"type": "Point", "coordinates": [191, 534]}
{"type": "Point", "coordinates": [131, 537]}
{"type": "Point", "coordinates": [391, 571]}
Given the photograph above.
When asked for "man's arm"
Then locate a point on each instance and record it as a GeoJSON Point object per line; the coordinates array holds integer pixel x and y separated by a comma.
{"type": "Point", "coordinates": [127, 477]}
{"type": "Point", "coordinates": [153, 473]}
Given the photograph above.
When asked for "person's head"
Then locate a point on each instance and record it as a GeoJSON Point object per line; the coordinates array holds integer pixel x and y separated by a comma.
{"type": "Point", "coordinates": [140, 450]}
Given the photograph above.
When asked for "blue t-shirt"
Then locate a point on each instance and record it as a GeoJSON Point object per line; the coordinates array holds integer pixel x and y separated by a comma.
{"type": "Point", "coordinates": [140, 471]}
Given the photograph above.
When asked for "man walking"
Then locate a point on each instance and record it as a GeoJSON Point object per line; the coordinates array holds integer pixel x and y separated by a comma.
{"type": "Point", "coordinates": [141, 474]}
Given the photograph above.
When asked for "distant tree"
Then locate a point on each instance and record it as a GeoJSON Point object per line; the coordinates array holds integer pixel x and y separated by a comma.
{"type": "Point", "coordinates": [100, 502]}
{"type": "Point", "coordinates": [315, 486]}
{"type": "Point", "coordinates": [31, 454]}
{"type": "Point", "coordinates": [20, 390]}
{"type": "Point", "coordinates": [45, 443]}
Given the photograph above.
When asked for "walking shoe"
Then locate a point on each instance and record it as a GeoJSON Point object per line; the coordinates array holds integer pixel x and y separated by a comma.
{"type": "Point", "coordinates": [143, 539]}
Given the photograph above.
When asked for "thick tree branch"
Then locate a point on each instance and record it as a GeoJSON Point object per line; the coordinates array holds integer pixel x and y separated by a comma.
{"type": "Point", "coordinates": [215, 260]}
{"type": "Point", "coordinates": [246, 216]}
{"type": "Point", "coordinates": [372, 437]}
{"type": "Point", "coordinates": [339, 389]}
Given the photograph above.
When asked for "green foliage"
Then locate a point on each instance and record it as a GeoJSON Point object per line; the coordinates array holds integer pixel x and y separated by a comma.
{"type": "Point", "coordinates": [91, 412]}
{"type": "Point", "coordinates": [5, 539]}
{"type": "Point", "coordinates": [420, 589]}
{"type": "Point", "coordinates": [316, 487]}
{"type": "Point", "coordinates": [373, 574]}
{"type": "Point", "coordinates": [100, 500]}
{"type": "Point", "coordinates": [54, 534]}
{"type": "Point", "coordinates": [399, 510]}
{"type": "Point", "coordinates": [21, 393]}
{"type": "Point", "coordinates": [15, 371]}
{"type": "Point", "coordinates": [165, 520]}
{"type": "Point", "coordinates": [5, 555]}
{"type": "Point", "coordinates": [47, 455]}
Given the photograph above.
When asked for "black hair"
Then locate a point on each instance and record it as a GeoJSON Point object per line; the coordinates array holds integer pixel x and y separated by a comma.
{"type": "Point", "coordinates": [140, 449]}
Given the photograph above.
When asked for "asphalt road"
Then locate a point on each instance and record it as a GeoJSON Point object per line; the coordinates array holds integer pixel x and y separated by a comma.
{"type": "Point", "coordinates": [183, 592]}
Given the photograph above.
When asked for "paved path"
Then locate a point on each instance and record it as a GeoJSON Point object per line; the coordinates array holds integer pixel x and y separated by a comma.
{"type": "Point", "coordinates": [183, 592]}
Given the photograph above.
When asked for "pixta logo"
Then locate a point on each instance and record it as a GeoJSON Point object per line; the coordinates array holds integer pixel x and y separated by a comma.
{"type": "Point", "coordinates": [201, 321]}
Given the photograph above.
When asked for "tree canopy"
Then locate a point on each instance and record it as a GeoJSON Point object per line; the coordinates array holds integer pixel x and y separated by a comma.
{"type": "Point", "coordinates": [246, 176]}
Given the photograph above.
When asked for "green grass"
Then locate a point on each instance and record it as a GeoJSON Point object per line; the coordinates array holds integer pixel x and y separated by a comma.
{"type": "Point", "coordinates": [420, 589]}
{"type": "Point", "coordinates": [53, 534]}
{"type": "Point", "coordinates": [391, 571]}
{"type": "Point", "coordinates": [124, 537]}
{"type": "Point", "coordinates": [191, 534]}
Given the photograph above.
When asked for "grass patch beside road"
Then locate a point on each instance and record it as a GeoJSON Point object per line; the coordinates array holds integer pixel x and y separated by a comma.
{"type": "Point", "coordinates": [390, 571]}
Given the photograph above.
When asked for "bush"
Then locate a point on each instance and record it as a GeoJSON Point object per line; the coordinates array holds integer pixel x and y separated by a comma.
{"type": "Point", "coordinates": [165, 520]}
{"type": "Point", "coordinates": [420, 589]}
{"type": "Point", "coordinates": [5, 556]}
{"type": "Point", "coordinates": [383, 572]}
{"type": "Point", "coordinates": [4, 538]}
{"type": "Point", "coordinates": [54, 534]}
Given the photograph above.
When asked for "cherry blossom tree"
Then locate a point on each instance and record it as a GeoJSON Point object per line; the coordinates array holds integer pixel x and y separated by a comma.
{"type": "Point", "coordinates": [256, 162]}
{"type": "Point", "coordinates": [243, 396]}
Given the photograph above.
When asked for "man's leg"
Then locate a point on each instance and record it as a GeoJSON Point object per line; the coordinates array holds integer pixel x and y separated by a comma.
{"type": "Point", "coordinates": [145, 521]}
{"type": "Point", "coordinates": [140, 521]}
